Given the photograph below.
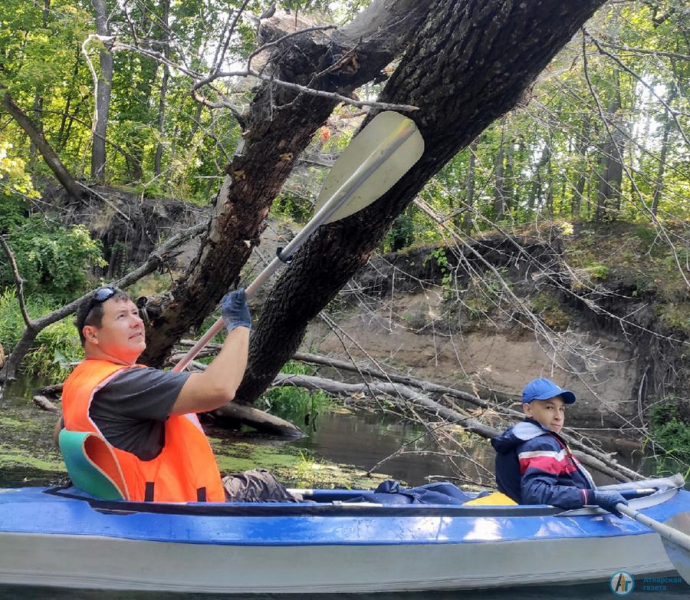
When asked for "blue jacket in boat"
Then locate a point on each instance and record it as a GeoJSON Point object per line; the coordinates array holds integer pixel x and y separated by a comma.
{"type": "Point", "coordinates": [535, 466]}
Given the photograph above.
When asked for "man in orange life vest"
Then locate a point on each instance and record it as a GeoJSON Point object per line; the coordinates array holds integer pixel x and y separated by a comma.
{"type": "Point", "coordinates": [148, 416]}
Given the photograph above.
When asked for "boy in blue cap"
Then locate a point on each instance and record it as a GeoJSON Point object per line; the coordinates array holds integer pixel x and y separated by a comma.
{"type": "Point", "coordinates": [534, 464]}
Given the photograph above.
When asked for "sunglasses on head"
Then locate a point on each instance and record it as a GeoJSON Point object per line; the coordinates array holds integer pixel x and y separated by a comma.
{"type": "Point", "coordinates": [100, 296]}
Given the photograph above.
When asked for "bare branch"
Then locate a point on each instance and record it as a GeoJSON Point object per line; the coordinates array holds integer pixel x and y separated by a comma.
{"type": "Point", "coordinates": [642, 81]}
{"type": "Point", "coordinates": [18, 280]}
{"type": "Point", "coordinates": [239, 12]}
{"type": "Point", "coordinates": [643, 51]}
{"type": "Point", "coordinates": [108, 202]}
{"type": "Point", "coordinates": [154, 261]}
{"type": "Point", "coordinates": [404, 396]}
{"type": "Point", "coordinates": [266, 78]}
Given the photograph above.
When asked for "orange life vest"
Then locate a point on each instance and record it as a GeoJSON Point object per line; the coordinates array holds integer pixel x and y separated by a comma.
{"type": "Point", "coordinates": [184, 471]}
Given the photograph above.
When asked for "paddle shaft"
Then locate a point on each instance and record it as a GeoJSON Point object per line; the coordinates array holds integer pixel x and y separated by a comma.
{"type": "Point", "coordinates": [349, 187]}
{"type": "Point", "coordinates": [677, 537]}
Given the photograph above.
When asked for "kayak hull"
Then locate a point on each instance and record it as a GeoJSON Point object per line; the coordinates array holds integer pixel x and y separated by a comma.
{"type": "Point", "coordinates": [113, 564]}
{"type": "Point", "coordinates": [49, 539]}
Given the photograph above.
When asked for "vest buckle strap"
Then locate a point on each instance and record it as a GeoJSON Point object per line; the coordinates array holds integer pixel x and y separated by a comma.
{"type": "Point", "coordinates": [148, 492]}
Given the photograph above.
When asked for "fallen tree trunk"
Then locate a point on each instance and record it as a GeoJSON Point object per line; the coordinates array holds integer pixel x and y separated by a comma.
{"type": "Point", "coordinates": [263, 421]}
{"type": "Point", "coordinates": [402, 395]}
{"type": "Point", "coordinates": [449, 392]}
{"type": "Point", "coordinates": [44, 404]}
{"type": "Point", "coordinates": [598, 460]}
{"type": "Point", "coordinates": [426, 386]}
{"type": "Point", "coordinates": [396, 393]}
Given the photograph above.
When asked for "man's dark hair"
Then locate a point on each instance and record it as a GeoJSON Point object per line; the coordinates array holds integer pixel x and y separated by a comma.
{"type": "Point", "coordinates": [91, 310]}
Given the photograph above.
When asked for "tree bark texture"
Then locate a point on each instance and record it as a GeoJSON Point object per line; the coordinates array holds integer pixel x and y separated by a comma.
{"type": "Point", "coordinates": [466, 67]}
{"type": "Point", "coordinates": [611, 178]}
{"type": "Point", "coordinates": [105, 79]}
{"type": "Point", "coordinates": [499, 188]}
{"type": "Point", "coordinates": [578, 194]}
{"type": "Point", "coordinates": [38, 139]}
{"type": "Point", "coordinates": [537, 183]}
{"type": "Point", "coordinates": [659, 182]}
{"type": "Point", "coordinates": [280, 124]}
{"type": "Point", "coordinates": [158, 159]}
{"type": "Point", "coordinates": [469, 184]}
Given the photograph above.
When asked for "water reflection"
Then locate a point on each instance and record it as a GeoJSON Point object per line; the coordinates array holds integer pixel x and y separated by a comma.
{"type": "Point", "coordinates": [363, 439]}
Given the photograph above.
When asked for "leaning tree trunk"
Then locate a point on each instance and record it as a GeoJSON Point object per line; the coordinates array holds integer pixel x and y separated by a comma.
{"type": "Point", "coordinates": [165, 34]}
{"type": "Point", "coordinates": [537, 183]}
{"type": "Point", "coordinates": [611, 179]}
{"type": "Point", "coordinates": [103, 95]}
{"type": "Point", "coordinates": [467, 66]}
{"type": "Point", "coordinates": [499, 188]}
{"type": "Point", "coordinates": [659, 183]}
{"type": "Point", "coordinates": [469, 184]}
{"type": "Point", "coordinates": [273, 141]}
{"type": "Point", "coordinates": [578, 193]}
{"type": "Point", "coordinates": [38, 139]}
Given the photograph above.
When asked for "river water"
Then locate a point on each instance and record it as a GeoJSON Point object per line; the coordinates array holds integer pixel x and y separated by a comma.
{"type": "Point", "coordinates": [357, 438]}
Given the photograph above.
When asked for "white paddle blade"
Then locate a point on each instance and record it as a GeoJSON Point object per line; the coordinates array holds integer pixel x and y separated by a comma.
{"type": "Point", "coordinates": [373, 143]}
{"type": "Point", "coordinates": [679, 557]}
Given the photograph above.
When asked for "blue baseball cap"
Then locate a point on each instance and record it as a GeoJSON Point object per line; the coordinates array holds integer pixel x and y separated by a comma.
{"type": "Point", "coordinates": [545, 389]}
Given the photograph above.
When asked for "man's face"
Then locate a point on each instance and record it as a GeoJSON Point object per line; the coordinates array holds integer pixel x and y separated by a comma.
{"type": "Point", "coordinates": [121, 335]}
{"type": "Point", "coordinates": [550, 413]}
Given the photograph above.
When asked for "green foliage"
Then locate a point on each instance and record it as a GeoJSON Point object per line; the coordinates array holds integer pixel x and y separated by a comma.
{"type": "Point", "coordinates": [16, 184]}
{"type": "Point", "coordinates": [598, 271]}
{"type": "Point", "coordinates": [50, 258]}
{"type": "Point", "coordinates": [440, 255]}
{"type": "Point", "coordinates": [293, 403]}
{"type": "Point", "coordinates": [401, 235]}
{"type": "Point", "coordinates": [675, 315]}
{"type": "Point", "coordinates": [11, 322]}
{"type": "Point", "coordinates": [291, 207]}
{"type": "Point", "coordinates": [550, 310]}
{"type": "Point", "coordinates": [671, 432]}
{"type": "Point", "coordinates": [56, 346]}
{"type": "Point", "coordinates": [647, 235]}
{"type": "Point", "coordinates": [483, 295]}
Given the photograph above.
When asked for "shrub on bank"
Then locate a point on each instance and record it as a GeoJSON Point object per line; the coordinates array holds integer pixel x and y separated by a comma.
{"type": "Point", "coordinates": [56, 346]}
{"type": "Point", "coordinates": [671, 432]}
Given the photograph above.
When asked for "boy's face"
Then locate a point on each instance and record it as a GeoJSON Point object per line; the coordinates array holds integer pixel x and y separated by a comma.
{"type": "Point", "coordinates": [550, 413]}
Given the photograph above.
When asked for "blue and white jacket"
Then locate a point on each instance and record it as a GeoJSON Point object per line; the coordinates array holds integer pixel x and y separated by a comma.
{"type": "Point", "coordinates": [535, 466]}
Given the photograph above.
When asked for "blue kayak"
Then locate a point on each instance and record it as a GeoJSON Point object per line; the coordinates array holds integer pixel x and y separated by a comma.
{"type": "Point", "coordinates": [341, 541]}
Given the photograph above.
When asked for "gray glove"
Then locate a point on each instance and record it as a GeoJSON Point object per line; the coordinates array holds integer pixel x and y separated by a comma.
{"type": "Point", "coordinates": [608, 501]}
{"type": "Point", "coordinates": [235, 311]}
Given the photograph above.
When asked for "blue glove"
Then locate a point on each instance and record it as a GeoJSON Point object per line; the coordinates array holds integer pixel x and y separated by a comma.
{"type": "Point", "coordinates": [235, 311]}
{"type": "Point", "coordinates": [608, 501]}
